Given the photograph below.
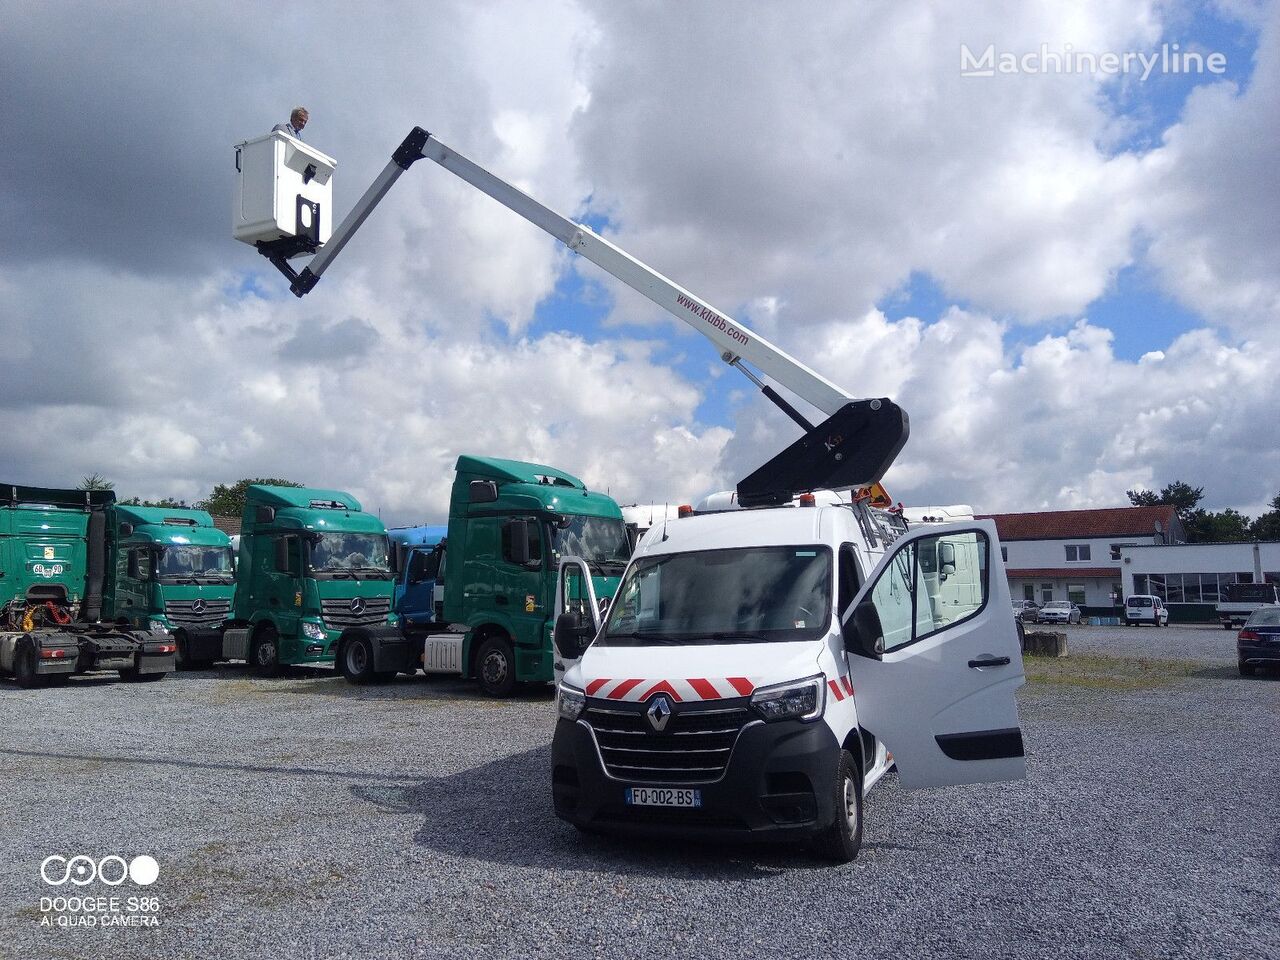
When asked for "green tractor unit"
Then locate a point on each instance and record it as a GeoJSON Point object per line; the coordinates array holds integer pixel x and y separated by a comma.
{"type": "Point", "coordinates": [54, 560]}
{"type": "Point", "coordinates": [313, 573]}
{"type": "Point", "coordinates": [168, 569]}
{"type": "Point", "coordinates": [525, 543]}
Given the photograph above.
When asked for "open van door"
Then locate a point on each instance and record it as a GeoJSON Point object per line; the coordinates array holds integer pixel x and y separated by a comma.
{"type": "Point", "coordinates": [576, 596]}
{"type": "Point", "coordinates": [935, 660]}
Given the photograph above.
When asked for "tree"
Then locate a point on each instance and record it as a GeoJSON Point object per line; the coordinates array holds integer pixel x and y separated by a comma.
{"type": "Point", "coordinates": [1267, 526]}
{"type": "Point", "coordinates": [1143, 498]}
{"type": "Point", "coordinates": [228, 501]}
{"type": "Point", "coordinates": [1205, 526]}
{"type": "Point", "coordinates": [167, 502]}
{"type": "Point", "coordinates": [96, 481]}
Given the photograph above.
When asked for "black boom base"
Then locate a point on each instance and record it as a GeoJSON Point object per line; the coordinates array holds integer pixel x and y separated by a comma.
{"type": "Point", "coordinates": [851, 448]}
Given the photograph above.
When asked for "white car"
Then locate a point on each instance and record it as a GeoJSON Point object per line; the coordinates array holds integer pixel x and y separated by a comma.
{"type": "Point", "coordinates": [1145, 608]}
{"type": "Point", "coordinates": [759, 671]}
{"type": "Point", "coordinates": [1059, 611]}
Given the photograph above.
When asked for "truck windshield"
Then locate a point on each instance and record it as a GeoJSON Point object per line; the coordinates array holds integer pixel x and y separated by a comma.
{"type": "Point", "coordinates": [360, 556]}
{"type": "Point", "coordinates": [751, 595]}
{"type": "Point", "coordinates": [601, 541]}
{"type": "Point", "coordinates": [192, 563]}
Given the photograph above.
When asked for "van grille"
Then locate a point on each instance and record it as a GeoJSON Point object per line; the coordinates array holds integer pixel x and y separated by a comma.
{"type": "Point", "coordinates": [184, 613]}
{"type": "Point", "coordinates": [694, 747]}
{"type": "Point", "coordinates": [338, 615]}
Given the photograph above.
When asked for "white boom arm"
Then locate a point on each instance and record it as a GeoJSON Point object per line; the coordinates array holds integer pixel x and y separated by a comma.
{"type": "Point", "coordinates": [856, 443]}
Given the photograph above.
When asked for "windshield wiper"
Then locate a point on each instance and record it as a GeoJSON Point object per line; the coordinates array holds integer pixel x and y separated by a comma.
{"type": "Point", "coordinates": [657, 639]}
{"type": "Point", "coordinates": [729, 636]}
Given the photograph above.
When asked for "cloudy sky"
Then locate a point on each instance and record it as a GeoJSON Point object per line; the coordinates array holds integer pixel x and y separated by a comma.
{"type": "Point", "coordinates": [1070, 280]}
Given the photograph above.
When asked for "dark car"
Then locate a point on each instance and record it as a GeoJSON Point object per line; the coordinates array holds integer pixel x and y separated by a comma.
{"type": "Point", "coordinates": [1028, 611]}
{"type": "Point", "coordinates": [1258, 644]}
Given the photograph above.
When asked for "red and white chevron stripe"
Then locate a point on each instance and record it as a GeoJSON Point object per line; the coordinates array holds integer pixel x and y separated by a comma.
{"type": "Point", "coordinates": [841, 688]}
{"type": "Point", "coordinates": [682, 691]}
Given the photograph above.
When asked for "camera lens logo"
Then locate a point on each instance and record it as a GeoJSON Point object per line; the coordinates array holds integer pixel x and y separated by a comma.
{"type": "Point", "coordinates": [82, 870]}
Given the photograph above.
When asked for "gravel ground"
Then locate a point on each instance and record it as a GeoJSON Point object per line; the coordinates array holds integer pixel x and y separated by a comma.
{"type": "Point", "coordinates": [301, 817]}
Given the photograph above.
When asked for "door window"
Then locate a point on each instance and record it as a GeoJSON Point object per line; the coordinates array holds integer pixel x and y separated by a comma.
{"type": "Point", "coordinates": [1046, 592]}
{"type": "Point", "coordinates": [929, 585]}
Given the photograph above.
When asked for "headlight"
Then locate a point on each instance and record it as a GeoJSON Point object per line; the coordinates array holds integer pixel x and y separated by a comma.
{"type": "Point", "coordinates": [312, 631]}
{"type": "Point", "coordinates": [157, 626]}
{"type": "Point", "coordinates": [570, 701]}
{"type": "Point", "coordinates": [794, 700]}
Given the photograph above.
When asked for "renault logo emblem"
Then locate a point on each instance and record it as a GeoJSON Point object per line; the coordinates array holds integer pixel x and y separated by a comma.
{"type": "Point", "coordinates": [659, 713]}
{"type": "Point", "coordinates": [197, 606]}
{"type": "Point", "coordinates": [357, 605]}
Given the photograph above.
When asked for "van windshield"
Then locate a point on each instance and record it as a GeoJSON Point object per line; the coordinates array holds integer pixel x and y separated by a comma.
{"type": "Point", "coordinates": [201, 564]}
{"type": "Point", "coordinates": [752, 595]}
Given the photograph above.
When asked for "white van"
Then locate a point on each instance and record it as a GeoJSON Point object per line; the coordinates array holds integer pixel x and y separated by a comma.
{"type": "Point", "coordinates": [1145, 608]}
{"type": "Point", "coordinates": [759, 671]}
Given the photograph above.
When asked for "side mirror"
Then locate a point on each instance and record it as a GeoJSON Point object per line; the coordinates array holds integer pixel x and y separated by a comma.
{"type": "Point", "coordinates": [133, 565]}
{"type": "Point", "coordinates": [519, 531]}
{"type": "Point", "coordinates": [946, 558]}
{"type": "Point", "coordinates": [282, 553]}
{"type": "Point", "coordinates": [571, 637]}
{"type": "Point", "coordinates": [126, 529]}
{"type": "Point", "coordinates": [633, 536]}
{"type": "Point", "coordinates": [862, 632]}
{"type": "Point", "coordinates": [264, 514]}
{"type": "Point", "coordinates": [482, 491]}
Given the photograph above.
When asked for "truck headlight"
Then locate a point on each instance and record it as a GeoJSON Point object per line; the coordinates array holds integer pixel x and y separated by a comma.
{"type": "Point", "coordinates": [570, 701]}
{"type": "Point", "coordinates": [312, 631]}
{"type": "Point", "coordinates": [157, 626]}
{"type": "Point", "coordinates": [793, 700]}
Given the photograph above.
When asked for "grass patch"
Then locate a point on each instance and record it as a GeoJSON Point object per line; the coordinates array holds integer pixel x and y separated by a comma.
{"type": "Point", "coordinates": [1107, 673]}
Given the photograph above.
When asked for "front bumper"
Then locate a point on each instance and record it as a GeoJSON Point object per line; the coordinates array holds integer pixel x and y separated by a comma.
{"type": "Point", "coordinates": [778, 785]}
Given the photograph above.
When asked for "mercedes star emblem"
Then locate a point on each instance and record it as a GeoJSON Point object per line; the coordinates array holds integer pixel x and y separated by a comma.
{"type": "Point", "coordinates": [357, 604]}
{"type": "Point", "coordinates": [197, 605]}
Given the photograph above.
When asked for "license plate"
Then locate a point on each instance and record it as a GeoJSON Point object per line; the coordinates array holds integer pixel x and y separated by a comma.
{"type": "Point", "coordinates": [663, 797]}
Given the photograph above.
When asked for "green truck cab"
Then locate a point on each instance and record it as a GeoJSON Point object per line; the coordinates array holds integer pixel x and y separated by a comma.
{"type": "Point", "coordinates": [53, 566]}
{"type": "Point", "coordinates": [510, 526]}
{"type": "Point", "coordinates": [313, 572]}
{"type": "Point", "coordinates": [167, 568]}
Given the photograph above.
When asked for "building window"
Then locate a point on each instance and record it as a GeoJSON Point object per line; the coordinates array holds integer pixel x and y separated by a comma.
{"type": "Point", "coordinates": [1075, 593]}
{"type": "Point", "coordinates": [1077, 552]}
{"type": "Point", "coordinates": [1115, 549]}
{"type": "Point", "coordinates": [1046, 592]}
{"type": "Point", "coordinates": [1117, 594]}
{"type": "Point", "coordinates": [1029, 592]}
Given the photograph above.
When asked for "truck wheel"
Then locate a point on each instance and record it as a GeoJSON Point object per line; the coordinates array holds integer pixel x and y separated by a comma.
{"type": "Point", "coordinates": [183, 659]}
{"type": "Point", "coordinates": [841, 841]}
{"type": "Point", "coordinates": [24, 669]}
{"type": "Point", "coordinates": [357, 661]}
{"type": "Point", "coordinates": [496, 667]}
{"type": "Point", "coordinates": [265, 653]}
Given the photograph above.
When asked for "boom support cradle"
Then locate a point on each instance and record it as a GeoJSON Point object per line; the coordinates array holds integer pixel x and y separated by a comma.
{"type": "Point", "coordinates": [853, 447]}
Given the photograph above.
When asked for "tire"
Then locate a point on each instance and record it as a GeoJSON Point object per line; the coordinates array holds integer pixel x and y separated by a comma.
{"type": "Point", "coordinates": [496, 667]}
{"type": "Point", "coordinates": [183, 659]}
{"type": "Point", "coordinates": [264, 653]}
{"type": "Point", "coordinates": [841, 841]}
{"type": "Point", "coordinates": [24, 670]}
{"type": "Point", "coordinates": [357, 661]}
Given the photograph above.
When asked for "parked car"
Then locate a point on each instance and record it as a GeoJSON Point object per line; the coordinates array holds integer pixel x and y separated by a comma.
{"type": "Point", "coordinates": [1258, 643]}
{"type": "Point", "coordinates": [1145, 608]}
{"type": "Point", "coordinates": [1060, 611]}
{"type": "Point", "coordinates": [1026, 610]}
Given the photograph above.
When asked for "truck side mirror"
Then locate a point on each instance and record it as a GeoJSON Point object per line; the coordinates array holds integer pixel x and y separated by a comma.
{"type": "Point", "coordinates": [862, 632]}
{"type": "Point", "coordinates": [519, 532]}
{"type": "Point", "coordinates": [264, 514]}
{"type": "Point", "coordinates": [571, 637]}
{"type": "Point", "coordinates": [633, 536]}
{"type": "Point", "coordinates": [482, 491]}
{"type": "Point", "coordinates": [282, 554]}
{"type": "Point", "coordinates": [946, 558]}
{"type": "Point", "coordinates": [126, 529]}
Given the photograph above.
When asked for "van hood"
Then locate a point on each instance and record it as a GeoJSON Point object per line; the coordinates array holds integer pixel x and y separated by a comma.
{"type": "Point", "coordinates": [693, 672]}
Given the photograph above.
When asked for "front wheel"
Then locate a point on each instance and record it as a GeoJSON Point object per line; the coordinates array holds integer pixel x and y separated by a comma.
{"type": "Point", "coordinates": [266, 654]}
{"type": "Point", "coordinates": [843, 839]}
{"type": "Point", "coordinates": [496, 667]}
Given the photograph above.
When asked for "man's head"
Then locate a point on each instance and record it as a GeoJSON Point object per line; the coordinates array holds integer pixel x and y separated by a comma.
{"type": "Point", "coordinates": [298, 119]}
